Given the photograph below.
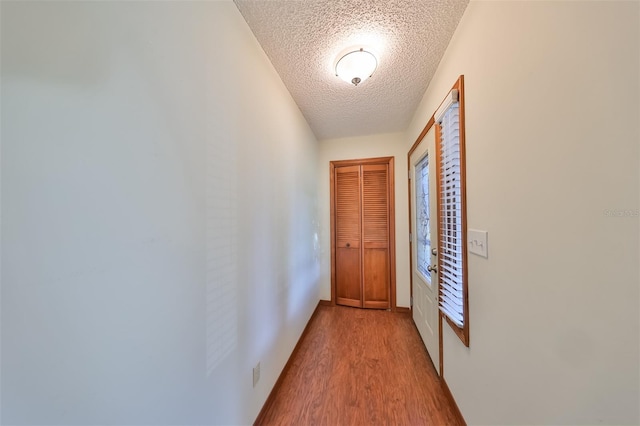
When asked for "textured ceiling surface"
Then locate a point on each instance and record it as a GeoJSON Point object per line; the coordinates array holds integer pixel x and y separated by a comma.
{"type": "Point", "coordinates": [304, 38]}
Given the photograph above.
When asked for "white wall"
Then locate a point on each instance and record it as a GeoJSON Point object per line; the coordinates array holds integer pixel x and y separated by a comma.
{"type": "Point", "coordinates": [380, 145]}
{"type": "Point", "coordinates": [158, 217]}
{"type": "Point", "coordinates": [552, 93]}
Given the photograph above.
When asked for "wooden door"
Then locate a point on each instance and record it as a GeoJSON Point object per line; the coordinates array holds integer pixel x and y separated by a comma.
{"type": "Point", "coordinates": [363, 264]}
{"type": "Point", "coordinates": [348, 265]}
{"type": "Point", "coordinates": [375, 235]}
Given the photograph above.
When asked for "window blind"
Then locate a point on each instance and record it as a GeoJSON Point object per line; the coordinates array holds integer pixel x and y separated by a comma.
{"type": "Point", "coordinates": [451, 301]}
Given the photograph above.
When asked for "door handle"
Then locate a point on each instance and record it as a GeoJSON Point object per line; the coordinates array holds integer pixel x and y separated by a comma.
{"type": "Point", "coordinates": [432, 268]}
{"type": "Point", "coordinates": [348, 245]}
{"type": "Point", "coordinates": [434, 251]}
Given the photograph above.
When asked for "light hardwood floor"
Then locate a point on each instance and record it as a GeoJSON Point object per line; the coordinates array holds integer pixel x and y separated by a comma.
{"type": "Point", "coordinates": [360, 367]}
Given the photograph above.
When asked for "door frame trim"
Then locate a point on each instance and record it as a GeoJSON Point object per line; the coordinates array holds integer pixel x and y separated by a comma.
{"type": "Point", "coordinates": [389, 161]}
{"type": "Point", "coordinates": [459, 84]}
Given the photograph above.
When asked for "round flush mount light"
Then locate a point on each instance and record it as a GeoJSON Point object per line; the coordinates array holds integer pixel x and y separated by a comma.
{"type": "Point", "coordinates": [356, 66]}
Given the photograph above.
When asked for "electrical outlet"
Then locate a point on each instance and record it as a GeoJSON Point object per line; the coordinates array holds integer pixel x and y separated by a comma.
{"type": "Point", "coordinates": [256, 375]}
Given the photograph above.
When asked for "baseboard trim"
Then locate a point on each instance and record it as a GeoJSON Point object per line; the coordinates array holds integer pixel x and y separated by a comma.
{"type": "Point", "coordinates": [452, 401]}
{"type": "Point", "coordinates": [403, 310]}
{"type": "Point", "coordinates": [267, 404]}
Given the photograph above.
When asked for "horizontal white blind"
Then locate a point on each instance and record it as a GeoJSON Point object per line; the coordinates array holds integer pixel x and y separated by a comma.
{"type": "Point", "coordinates": [451, 98]}
{"type": "Point", "coordinates": [450, 229]}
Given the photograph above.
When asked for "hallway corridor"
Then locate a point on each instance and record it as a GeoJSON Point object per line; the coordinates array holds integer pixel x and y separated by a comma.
{"type": "Point", "coordinates": [360, 367]}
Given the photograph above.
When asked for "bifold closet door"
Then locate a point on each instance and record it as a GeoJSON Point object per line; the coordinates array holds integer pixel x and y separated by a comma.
{"type": "Point", "coordinates": [375, 236]}
{"type": "Point", "coordinates": [348, 231]}
{"type": "Point", "coordinates": [362, 249]}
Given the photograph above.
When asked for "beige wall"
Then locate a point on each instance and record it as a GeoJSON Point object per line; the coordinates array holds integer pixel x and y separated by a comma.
{"type": "Point", "coordinates": [381, 145]}
{"type": "Point", "coordinates": [158, 215]}
{"type": "Point", "coordinates": [552, 94]}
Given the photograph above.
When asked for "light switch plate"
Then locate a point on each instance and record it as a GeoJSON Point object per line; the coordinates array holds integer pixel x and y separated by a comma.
{"type": "Point", "coordinates": [477, 242]}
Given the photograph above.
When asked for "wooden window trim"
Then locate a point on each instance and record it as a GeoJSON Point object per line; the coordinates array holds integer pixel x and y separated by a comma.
{"type": "Point", "coordinates": [461, 332]}
{"type": "Point", "coordinates": [392, 221]}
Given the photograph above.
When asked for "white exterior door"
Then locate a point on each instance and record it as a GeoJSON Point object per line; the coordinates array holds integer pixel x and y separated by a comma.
{"type": "Point", "coordinates": [424, 243]}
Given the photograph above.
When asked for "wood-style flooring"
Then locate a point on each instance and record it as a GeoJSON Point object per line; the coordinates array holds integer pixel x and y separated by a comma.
{"type": "Point", "coordinates": [360, 367]}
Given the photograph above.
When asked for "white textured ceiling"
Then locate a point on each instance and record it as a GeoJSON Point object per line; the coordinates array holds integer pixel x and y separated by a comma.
{"type": "Point", "coordinates": [304, 38]}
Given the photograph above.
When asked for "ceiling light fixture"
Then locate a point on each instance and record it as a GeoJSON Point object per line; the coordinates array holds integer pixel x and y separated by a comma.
{"type": "Point", "coordinates": [356, 66]}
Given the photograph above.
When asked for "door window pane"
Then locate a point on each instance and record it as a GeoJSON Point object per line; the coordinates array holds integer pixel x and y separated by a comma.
{"type": "Point", "coordinates": [423, 229]}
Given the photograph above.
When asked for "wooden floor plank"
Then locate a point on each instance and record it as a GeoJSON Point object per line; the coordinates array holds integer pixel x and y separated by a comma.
{"type": "Point", "coordinates": [360, 367]}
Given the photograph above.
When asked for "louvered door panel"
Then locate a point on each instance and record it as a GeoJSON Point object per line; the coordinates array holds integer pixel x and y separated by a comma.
{"type": "Point", "coordinates": [375, 235]}
{"type": "Point", "coordinates": [375, 203]}
{"type": "Point", "coordinates": [348, 236]}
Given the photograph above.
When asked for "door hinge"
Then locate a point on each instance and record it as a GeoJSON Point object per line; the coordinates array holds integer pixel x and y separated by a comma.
{"type": "Point", "coordinates": [409, 174]}
{"type": "Point", "coordinates": [410, 236]}
{"type": "Point", "coordinates": [411, 301]}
